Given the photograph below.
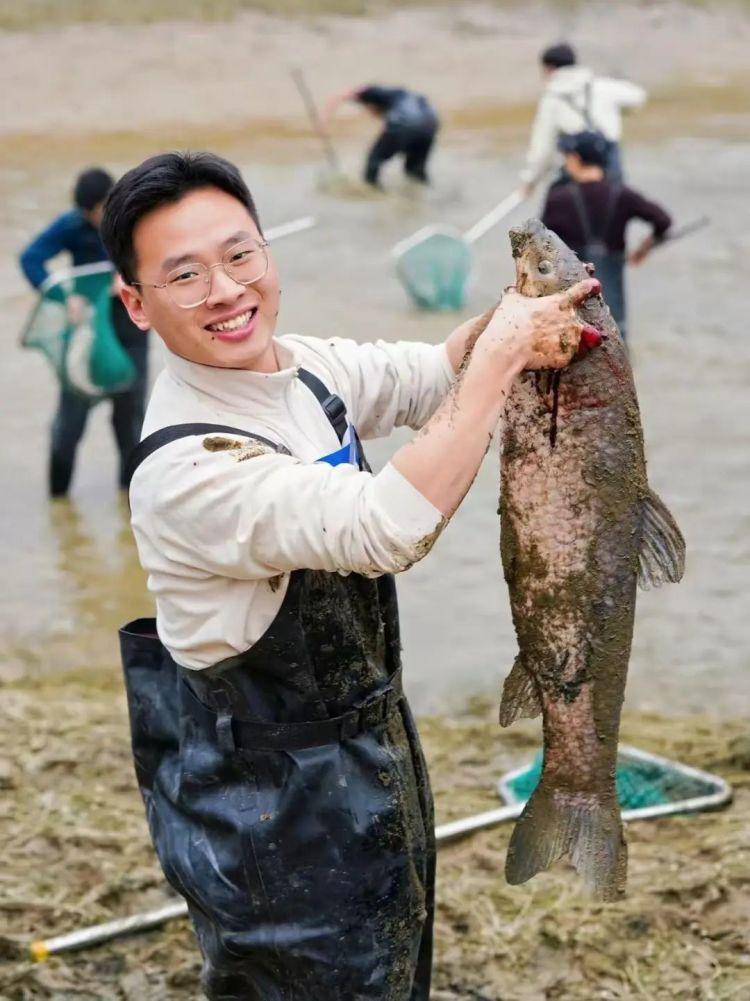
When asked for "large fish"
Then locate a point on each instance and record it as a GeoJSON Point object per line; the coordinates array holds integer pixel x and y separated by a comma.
{"type": "Point", "coordinates": [579, 528]}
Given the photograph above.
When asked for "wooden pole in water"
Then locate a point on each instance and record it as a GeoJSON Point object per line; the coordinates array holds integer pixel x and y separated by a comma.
{"type": "Point", "coordinates": [312, 112]}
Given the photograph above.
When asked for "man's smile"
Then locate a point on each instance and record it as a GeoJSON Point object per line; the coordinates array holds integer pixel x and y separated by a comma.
{"type": "Point", "coordinates": [234, 326]}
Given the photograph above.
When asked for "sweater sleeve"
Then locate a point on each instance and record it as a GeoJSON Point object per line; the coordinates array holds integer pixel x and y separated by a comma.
{"type": "Point", "coordinates": [252, 514]}
{"type": "Point", "coordinates": [641, 208]}
{"type": "Point", "coordinates": [542, 145]}
{"type": "Point", "coordinates": [50, 242]}
{"type": "Point", "coordinates": [623, 93]}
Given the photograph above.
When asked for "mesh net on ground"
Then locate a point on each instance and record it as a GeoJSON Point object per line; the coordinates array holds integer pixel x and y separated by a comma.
{"type": "Point", "coordinates": [640, 782]}
{"type": "Point", "coordinates": [87, 358]}
{"type": "Point", "coordinates": [435, 270]}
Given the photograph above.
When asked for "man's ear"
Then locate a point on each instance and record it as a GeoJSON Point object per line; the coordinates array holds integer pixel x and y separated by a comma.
{"type": "Point", "coordinates": [133, 302]}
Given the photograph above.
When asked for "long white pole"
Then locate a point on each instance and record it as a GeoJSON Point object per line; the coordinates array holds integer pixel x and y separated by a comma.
{"type": "Point", "coordinates": [493, 217]}
{"type": "Point", "coordinates": [288, 228]}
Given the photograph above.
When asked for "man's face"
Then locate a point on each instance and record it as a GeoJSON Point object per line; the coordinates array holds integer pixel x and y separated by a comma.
{"type": "Point", "coordinates": [200, 228]}
{"type": "Point", "coordinates": [573, 164]}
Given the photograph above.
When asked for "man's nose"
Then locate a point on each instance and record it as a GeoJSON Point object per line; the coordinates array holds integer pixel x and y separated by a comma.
{"type": "Point", "coordinates": [223, 289]}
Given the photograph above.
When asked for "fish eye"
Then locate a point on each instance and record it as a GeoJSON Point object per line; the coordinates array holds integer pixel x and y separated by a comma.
{"type": "Point", "coordinates": [544, 267]}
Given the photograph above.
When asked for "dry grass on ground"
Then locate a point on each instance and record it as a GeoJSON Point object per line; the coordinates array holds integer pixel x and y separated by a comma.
{"type": "Point", "coordinates": [75, 852]}
{"type": "Point", "coordinates": [39, 14]}
{"type": "Point", "coordinates": [36, 14]}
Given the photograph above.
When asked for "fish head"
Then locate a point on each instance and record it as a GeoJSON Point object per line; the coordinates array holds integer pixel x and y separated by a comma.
{"type": "Point", "coordinates": [544, 264]}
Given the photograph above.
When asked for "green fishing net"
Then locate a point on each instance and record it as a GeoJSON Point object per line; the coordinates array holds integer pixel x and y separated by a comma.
{"type": "Point", "coordinates": [435, 270]}
{"type": "Point", "coordinates": [87, 358]}
{"type": "Point", "coordinates": [640, 782]}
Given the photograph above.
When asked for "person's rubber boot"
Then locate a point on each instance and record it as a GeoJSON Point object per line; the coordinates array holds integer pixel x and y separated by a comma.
{"type": "Point", "coordinates": [60, 475]}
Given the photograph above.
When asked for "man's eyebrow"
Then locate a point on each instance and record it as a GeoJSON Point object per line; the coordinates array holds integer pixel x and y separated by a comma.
{"type": "Point", "coordinates": [238, 237]}
{"type": "Point", "coordinates": [174, 262]}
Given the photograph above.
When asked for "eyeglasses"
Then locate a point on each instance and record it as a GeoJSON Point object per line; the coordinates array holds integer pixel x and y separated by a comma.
{"type": "Point", "coordinates": [189, 285]}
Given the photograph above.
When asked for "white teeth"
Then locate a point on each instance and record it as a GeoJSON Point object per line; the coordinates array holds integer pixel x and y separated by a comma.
{"type": "Point", "coordinates": [235, 323]}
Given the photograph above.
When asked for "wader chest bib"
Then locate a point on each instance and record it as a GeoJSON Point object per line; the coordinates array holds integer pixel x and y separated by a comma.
{"type": "Point", "coordinates": [286, 793]}
{"type": "Point", "coordinates": [609, 264]}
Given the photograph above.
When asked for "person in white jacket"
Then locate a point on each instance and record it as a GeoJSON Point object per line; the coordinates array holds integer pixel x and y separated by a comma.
{"type": "Point", "coordinates": [575, 100]}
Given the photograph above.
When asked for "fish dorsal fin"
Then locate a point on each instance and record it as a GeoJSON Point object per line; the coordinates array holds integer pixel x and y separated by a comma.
{"type": "Point", "coordinates": [662, 555]}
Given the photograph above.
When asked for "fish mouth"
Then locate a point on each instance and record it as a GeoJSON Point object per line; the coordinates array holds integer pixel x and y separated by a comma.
{"type": "Point", "coordinates": [521, 235]}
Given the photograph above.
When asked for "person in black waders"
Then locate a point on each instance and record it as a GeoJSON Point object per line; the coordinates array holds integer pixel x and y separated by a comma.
{"type": "Point", "coordinates": [284, 784]}
{"type": "Point", "coordinates": [591, 214]}
{"type": "Point", "coordinates": [410, 125]}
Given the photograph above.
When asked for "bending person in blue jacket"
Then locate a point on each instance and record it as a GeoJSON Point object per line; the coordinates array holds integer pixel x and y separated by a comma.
{"type": "Point", "coordinates": [77, 233]}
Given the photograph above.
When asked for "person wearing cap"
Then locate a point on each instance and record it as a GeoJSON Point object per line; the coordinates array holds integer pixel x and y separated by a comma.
{"type": "Point", "coordinates": [410, 125]}
{"type": "Point", "coordinates": [575, 100]}
{"type": "Point", "coordinates": [76, 232]}
{"type": "Point", "coordinates": [591, 214]}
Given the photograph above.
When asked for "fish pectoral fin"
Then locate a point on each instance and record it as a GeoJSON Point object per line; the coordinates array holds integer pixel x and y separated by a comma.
{"type": "Point", "coordinates": [585, 829]}
{"type": "Point", "coordinates": [520, 695]}
{"type": "Point", "coordinates": [661, 558]}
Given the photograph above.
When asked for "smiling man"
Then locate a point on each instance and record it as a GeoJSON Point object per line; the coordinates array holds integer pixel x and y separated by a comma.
{"type": "Point", "coordinates": [285, 788]}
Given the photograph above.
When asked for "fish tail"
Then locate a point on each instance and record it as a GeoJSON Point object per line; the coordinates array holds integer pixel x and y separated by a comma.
{"type": "Point", "coordinates": [580, 826]}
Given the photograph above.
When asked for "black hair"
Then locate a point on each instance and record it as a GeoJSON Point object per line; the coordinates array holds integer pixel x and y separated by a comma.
{"type": "Point", "coordinates": [556, 56]}
{"type": "Point", "coordinates": [162, 179]}
{"type": "Point", "coordinates": [91, 188]}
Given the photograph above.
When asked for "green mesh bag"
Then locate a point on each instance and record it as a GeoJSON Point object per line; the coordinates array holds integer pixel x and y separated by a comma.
{"type": "Point", "coordinates": [88, 358]}
{"type": "Point", "coordinates": [434, 267]}
{"type": "Point", "coordinates": [643, 780]}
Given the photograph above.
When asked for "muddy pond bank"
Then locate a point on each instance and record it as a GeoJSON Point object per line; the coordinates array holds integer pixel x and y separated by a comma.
{"type": "Point", "coordinates": [77, 852]}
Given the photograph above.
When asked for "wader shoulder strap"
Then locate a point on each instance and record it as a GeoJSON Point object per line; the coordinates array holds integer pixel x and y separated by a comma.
{"type": "Point", "coordinates": [174, 432]}
{"type": "Point", "coordinates": [583, 212]}
{"type": "Point", "coordinates": [333, 406]}
{"type": "Point", "coordinates": [585, 110]}
{"type": "Point", "coordinates": [590, 236]}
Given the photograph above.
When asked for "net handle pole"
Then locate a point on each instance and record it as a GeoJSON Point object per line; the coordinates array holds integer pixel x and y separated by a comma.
{"type": "Point", "coordinates": [315, 120]}
{"type": "Point", "coordinates": [93, 935]}
{"type": "Point", "coordinates": [291, 227]}
{"type": "Point", "coordinates": [81, 938]}
{"type": "Point", "coordinates": [678, 232]}
{"type": "Point", "coordinates": [477, 822]}
{"type": "Point", "coordinates": [493, 217]}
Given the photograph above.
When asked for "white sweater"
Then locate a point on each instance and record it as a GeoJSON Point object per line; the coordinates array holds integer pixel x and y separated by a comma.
{"type": "Point", "coordinates": [218, 534]}
{"type": "Point", "coordinates": [562, 111]}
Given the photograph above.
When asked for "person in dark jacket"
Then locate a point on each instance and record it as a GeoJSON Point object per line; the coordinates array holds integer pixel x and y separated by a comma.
{"type": "Point", "coordinates": [76, 232]}
{"type": "Point", "coordinates": [410, 125]}
{"type": "Point", "coordinates": [591, 214]}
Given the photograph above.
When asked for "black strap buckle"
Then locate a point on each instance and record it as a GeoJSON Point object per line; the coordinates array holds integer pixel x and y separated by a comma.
{"type": "Point", "coordinates": [335, 410]}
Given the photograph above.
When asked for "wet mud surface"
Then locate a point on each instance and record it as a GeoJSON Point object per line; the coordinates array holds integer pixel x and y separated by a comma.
{"type": "Point", "coordinates": [77, 852]}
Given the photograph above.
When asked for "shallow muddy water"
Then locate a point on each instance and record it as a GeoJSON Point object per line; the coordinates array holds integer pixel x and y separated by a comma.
{"type": "Point", "coordinates": [70, 569]}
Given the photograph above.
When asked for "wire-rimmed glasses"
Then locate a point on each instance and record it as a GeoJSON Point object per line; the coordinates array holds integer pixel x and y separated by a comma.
{"type": "Point", "coordinates": [189, 285]}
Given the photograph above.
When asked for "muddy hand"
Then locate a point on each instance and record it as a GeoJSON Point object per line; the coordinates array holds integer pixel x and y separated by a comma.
{"type": "Point", "coordinates": [540, 332]}
{"type": "Point", "coordinates": [560, 336]}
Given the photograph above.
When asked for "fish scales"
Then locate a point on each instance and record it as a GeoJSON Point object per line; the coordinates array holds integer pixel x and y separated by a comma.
{"type": "Point", "coordinates": [579, 528]}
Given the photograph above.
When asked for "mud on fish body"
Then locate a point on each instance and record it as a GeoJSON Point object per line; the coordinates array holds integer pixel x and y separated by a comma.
{"type": "Point", "coordinates": [579, 529]}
